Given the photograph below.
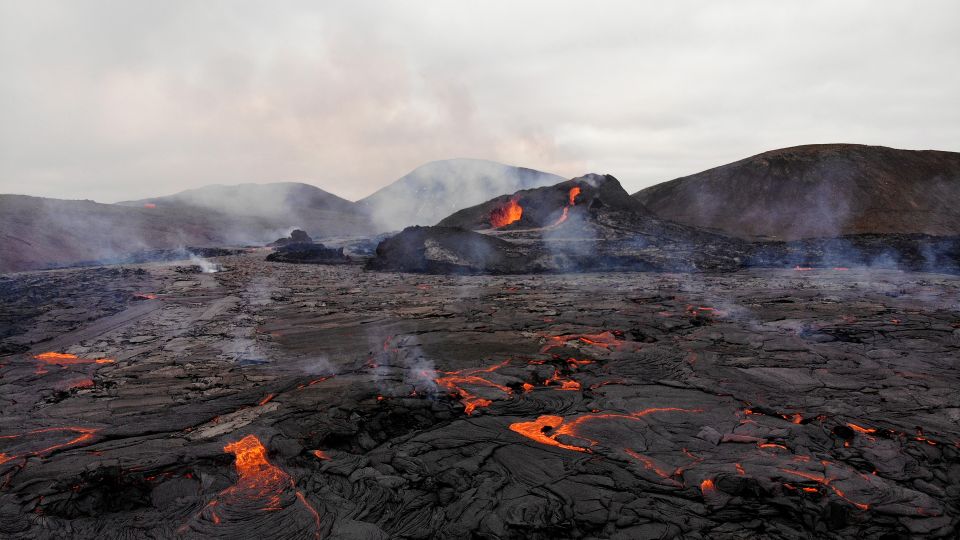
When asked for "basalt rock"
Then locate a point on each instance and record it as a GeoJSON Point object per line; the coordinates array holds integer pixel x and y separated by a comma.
{"type": "Point", "coordinates": [582, 225]}
{"type": "Point", "coordinates": [296, 237]}
{"type": "Point", "coordinates": [911, 252]}
{"type": "Point", "coordinates": [289, 401]}
{"type": "Point", "coordinates": [308, 253]}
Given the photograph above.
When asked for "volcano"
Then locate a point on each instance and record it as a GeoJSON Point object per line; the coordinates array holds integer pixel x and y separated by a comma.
{"type": "Point", "coordinates": [585, 224]}
{"type": "Point", "coordinates": [435, 190]}
{"type": "Point", "coordinates": [820, 190]}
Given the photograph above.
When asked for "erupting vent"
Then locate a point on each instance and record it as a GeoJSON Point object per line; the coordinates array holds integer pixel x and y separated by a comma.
{"type": "Point", "coordinates": [506, 214]}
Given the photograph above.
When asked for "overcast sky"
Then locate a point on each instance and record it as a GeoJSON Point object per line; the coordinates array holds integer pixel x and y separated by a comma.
{"type": "Point", "coordinates": [128, 99]}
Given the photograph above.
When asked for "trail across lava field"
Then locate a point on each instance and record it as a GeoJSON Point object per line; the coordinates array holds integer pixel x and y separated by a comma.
{"type": "Point", "coordinates": [290, 401]}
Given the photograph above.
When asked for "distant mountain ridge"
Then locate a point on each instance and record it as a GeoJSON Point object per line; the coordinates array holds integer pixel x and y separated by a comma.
{"type": "Point", "coordinates": [40, 232]}
{"type": "Point", "coordinates": [820, 190]}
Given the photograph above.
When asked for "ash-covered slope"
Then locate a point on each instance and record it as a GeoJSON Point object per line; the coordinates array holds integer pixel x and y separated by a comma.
{"type": "Point", "coordinates": [586, 224]}
{"type": "Point", "coordinates": [39, 232]}
{"type": "Point", "coordinates": [277, 206]}
{"type": "Point", "coordinates": [822, 190]}
{"type": "Point", "coordinates": [435, 190]}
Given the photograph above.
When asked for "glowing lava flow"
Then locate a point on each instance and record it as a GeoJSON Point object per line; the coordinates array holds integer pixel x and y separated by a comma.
{"type": "Point", "coordinates": [64, 359]}
{"type": "Point", "coordinates": [83, 435]}
{"type": "Point", "coordinates": [261, 487]}
{"type": "Point", "coordinates": [547, 428]}
{"type": "Point", "coordinates": [826, 482]}
{"type": "Point", "coordinates": [571, 202]}
{"type": "Point", "coordinates": [454, 381]}
{"type": "Point", "coordinates": [506, 214]}
{"type": "Point", "coordinates": [611, 341]}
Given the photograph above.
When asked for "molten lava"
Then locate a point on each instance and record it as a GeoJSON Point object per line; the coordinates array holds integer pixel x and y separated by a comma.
{"type": "Point", "coordinates": [83, 435]}
{"type": "Point", "coordinates": [571, 202]}
{"type": "Point", "coordinates": [64, 359]}
{"type": "Point", "coordinates": [609, 340]}
{"type": "Point", "coordinates": [508, 213]}
{"type": "Point", "coordinates": [261, 487]}
{"type": "Point", "coordinates": [547, 428]}
{"type": "Point", "coordinates": [455, 381]}
{"type": "Point", "coordinates": [826, 482]}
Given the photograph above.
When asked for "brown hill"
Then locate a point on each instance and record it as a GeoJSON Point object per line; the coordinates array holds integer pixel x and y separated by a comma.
{"type": "Point", "coordinates": [822, 190]}
{"type": "Point", "coordinates": [38, 233]}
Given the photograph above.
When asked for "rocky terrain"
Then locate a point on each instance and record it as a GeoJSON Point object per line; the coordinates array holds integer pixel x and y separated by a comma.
{"type": "Point", "coordinates": [310, 401]}
{"type": "Point", "coordinates": [820, 190]}
{"type": "Point", "coordinates": [585, 224]}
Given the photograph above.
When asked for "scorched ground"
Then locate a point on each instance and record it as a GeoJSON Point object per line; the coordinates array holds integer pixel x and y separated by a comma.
{"type": "Point", "coordinates": [288, 401]}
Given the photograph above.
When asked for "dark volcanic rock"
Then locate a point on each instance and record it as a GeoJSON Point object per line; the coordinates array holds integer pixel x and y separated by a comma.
{"type": "Point", "coordinates": [308, 253]}
{"type": "Point", "coordinates": [296, 237]}
{"type": "Point", "coordinates": [449, 250]}
{"type": "Point", "coordinates": [911, 252]}
{"type": "Point", "coordinates": [821, 190]}
{"type": "Point", "coordinates": [541, 207]}
{"type": "Point", "coordinates": [581, 225]}
{"type": "Point", "coordinates": [756, 404]}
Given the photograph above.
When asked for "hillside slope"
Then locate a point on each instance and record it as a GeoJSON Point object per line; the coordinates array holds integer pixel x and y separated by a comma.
{"type": "Point", "coordinates": [821, 190]}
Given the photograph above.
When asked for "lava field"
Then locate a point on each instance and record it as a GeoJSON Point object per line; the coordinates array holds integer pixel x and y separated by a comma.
{"type": "Point", "coordinates": [272, 400]}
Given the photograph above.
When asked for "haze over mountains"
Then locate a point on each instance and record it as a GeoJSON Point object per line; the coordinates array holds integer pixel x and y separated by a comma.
{"type": "Point", "coordinates": [800, 192]}
{"type": "Point", "coordinates": [434, 191]}
{"type": "Point", "coordinates": [39, 232]}
{"type": "Point", "coordinates": [819, 190]}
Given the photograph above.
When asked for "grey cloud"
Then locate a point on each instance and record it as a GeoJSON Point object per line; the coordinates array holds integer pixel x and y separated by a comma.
{"type": "Point", "coordinates": [116, 100]}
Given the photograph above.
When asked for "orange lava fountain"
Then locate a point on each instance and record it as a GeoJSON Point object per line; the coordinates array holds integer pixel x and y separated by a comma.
{"type": "Point", "coordinates": [506, 214]}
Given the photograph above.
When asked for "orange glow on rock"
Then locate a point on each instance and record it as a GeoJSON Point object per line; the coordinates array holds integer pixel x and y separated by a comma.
{"type": "Point", "coordinates": [455, 381]}
{"type": "Point", "coordinates": [510, 212]}
{"type": "Point", "coordinates": [861, 429]}
{"type": "Point", "coordinates": [82, 435]}
{"type": "Point", "coordinates": [707, 486]}
{"type": "Point", "coordinates": [66, 359]}
{"type": "Point", "coordinates": [547, 428]}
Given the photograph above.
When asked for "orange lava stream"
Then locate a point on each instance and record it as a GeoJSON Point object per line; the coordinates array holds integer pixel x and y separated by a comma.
{"type": "Point", "coordinates": [604, 340]}
{"type": "Point", "coordinates": [455, 380]}
{"type": "Point", "coordinates": [84, 434]}
{"type": "Point", "coordinates": [508, 213]}
{"type": "Point", "coordinates": [547, 428]}
{"type": "Point", "coordinates": [65, 359]}
{"type": "Point", "coordinates": [824, 481]}
{"type": "Point", "coordinates": [259, 481]}
{"type": "Point", "coordinates": [571, 201]}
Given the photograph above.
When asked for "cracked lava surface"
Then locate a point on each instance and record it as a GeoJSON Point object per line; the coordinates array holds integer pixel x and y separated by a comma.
{"type": "Point", "coordinates": [290, 401]}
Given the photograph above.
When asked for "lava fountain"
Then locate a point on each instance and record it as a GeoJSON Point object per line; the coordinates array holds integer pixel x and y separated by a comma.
{"type": "Point", "coordinates": [508, 213]}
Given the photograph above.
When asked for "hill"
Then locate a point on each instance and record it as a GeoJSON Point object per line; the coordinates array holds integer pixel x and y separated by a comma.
{"type": "Point", "coordinates": [820, 190]}
{"type": "Point", "coordinates": [437, 189]}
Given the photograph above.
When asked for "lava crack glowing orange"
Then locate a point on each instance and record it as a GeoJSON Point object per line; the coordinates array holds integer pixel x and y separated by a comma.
{"type": "Point", "coordinates": [82, 435]}
{"type": "Point", "coordinates": [65, 359]}
{"type": "Point", "coordinates": [547, 428]}
{"type": "Point", "coordinates": [454, 381]}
